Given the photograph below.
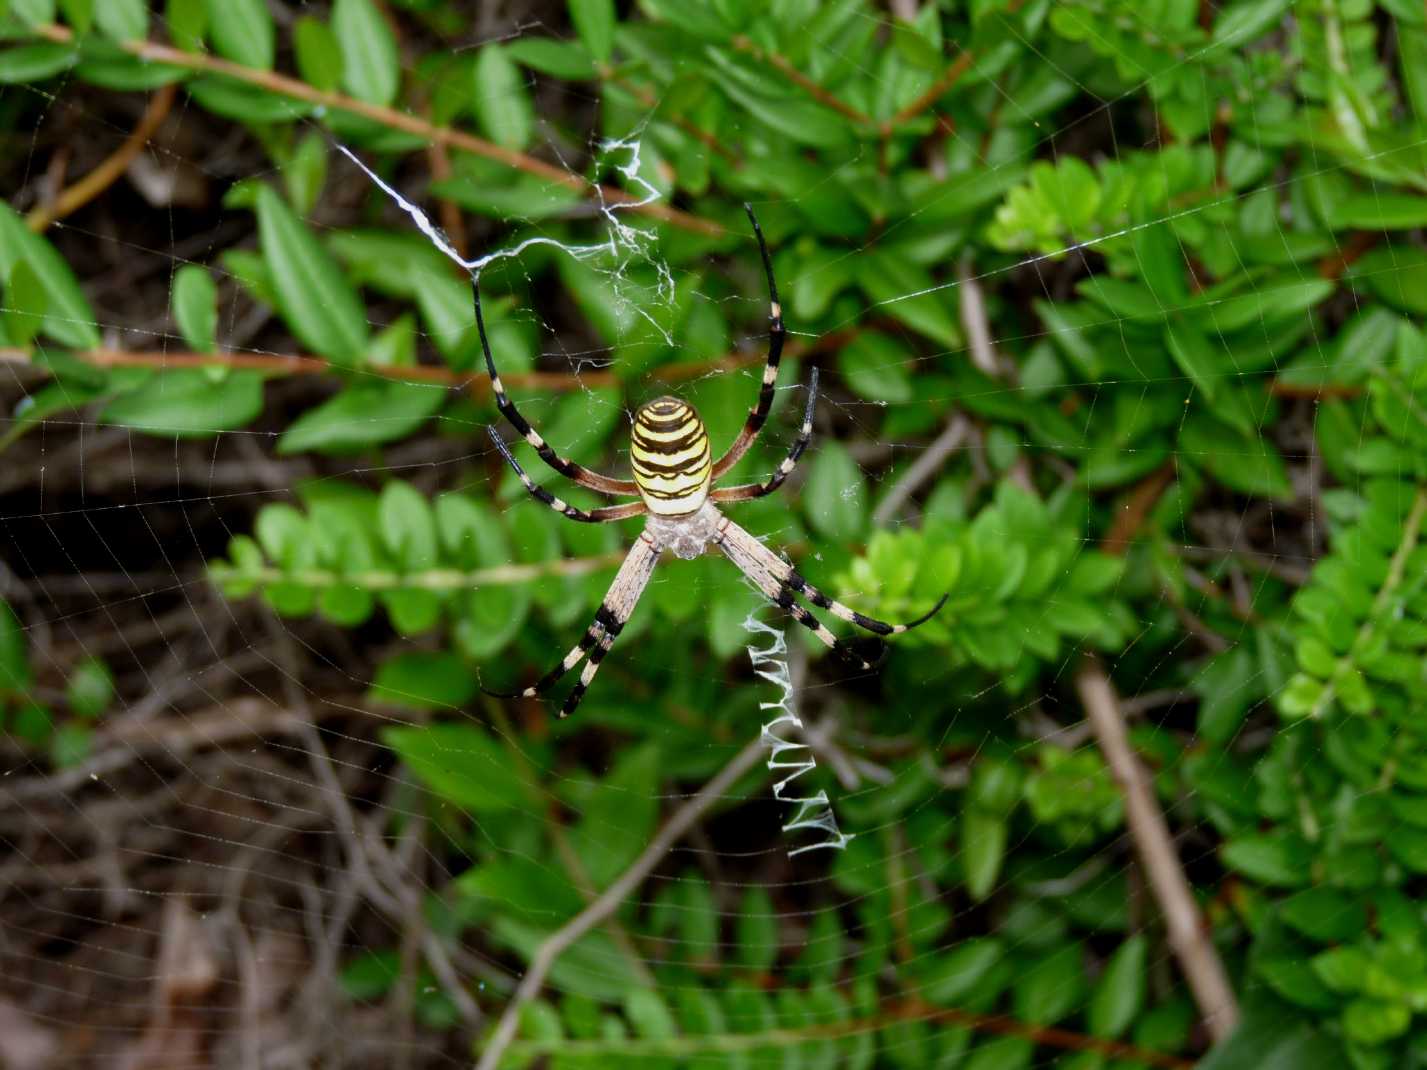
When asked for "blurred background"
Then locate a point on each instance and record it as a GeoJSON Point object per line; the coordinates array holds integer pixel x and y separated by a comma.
{"type": "Point", "coordinates": [1118, 314]}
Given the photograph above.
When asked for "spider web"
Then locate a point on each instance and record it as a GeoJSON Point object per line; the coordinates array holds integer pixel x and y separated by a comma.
{"type": "Point", "coordinates": [232, 867]}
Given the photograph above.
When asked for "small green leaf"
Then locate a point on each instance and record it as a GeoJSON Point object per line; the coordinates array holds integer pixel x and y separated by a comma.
{"type": "Point", "coordinates": [15, 673]}
{"type": "Point", "coordinates": [187, 22]}
{"type": "Point", "coordinates": [594, 22]}
{"type": "Point", "coordinates": [305, 172]}
{"type": "Point", "coordinates": [33, 12]}
{"type": "Point", "coordinates": [90, 688]}
{"type": "Point", "coordinates": [756, 933]}
{"type": "Point", "coordinates": [1381, 211]}
{"type": "Point", "coordinates": [1120, 993]}
{"type": "Point", "coordinates": [78, 13]}
{"type": "Point", "coordinates": [875, 367]}
{"type": "Point", "coordinates": [1237, 25]}
{"type": "Point", "coordinates": [243, 31]}
{"type": "Point", "coordinates": [983, 848]}
{"type": "Point", "coordinates": [68, 318]}
{"type": "Point", "coordinates": [371, 67]}
{"type": "Point", "coordinates": [1051, 986]}
{"type": "Point", "coordinates": [25, 302]}
{"type": "Point", "coordinates": [365, 414]}
{"type": "Point", "coordinates": [319, 53]}
{"type": "Point", "coordinates": [424, 681]}
{"type": "Point", "coordinates": [189, 403]}
{"type": "Point", "coordinates": [953, 975]}
{"type": "Point", "coordinates": [35, 63]}
{"type": "Point", "coordinates": [835, 495]}
{"type": "Point", "coordinates": [463, 765]}
{"type": "Point", "coordinates": [502, 102]}
{"type": "Point", "coordinates": [195, 309]}
{"type": "Point", "coordinates": [1372, 1022]}
{"type": "Point", "coordinates": [315, 298]}
{"type": "Point", "coordinates": [123, 20]}
{"type": "Point", "coordinates": [1192, 352]}
{"type": "Point", "coordinates": [569, 60]}
{"type": "Point", "coordinates": [408, 526]}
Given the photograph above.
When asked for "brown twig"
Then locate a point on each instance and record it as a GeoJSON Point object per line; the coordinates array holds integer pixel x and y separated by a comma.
{"type": "Point", "coordinates": [610, 899]}
{"type": "Point", "coordinates": [949, 78]}
{"type": "Point", "coordinates": [107, 173]}
{"type": "Point", "coordinates": [1137, 506]}
{"type": "Point", "coordinates": [743, 44]}
{"type": "Point", "coordinates": [922, 469]}
{"type": "Point", "coordinates": [397, 120]}
{"type": "Point", "coordinates": [646, 98]}
{"type": "Point", "coordinates": [1187, 931]}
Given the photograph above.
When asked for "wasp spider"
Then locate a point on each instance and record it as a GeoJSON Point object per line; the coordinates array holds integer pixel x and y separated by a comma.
{"type": "Point", "coordinates": [674, 479]}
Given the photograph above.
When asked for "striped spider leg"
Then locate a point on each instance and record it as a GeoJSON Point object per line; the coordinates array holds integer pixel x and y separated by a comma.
{"type": "Point", "coordinates": [776, 333]}
{"type": "Point", "coordinates": [781, 584]}
{"type": "Point", "coordinates": [614, 612]}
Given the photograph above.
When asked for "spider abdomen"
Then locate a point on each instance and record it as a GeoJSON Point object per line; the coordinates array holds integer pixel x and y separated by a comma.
{"type": "Point", "coordinates": [669, 452]}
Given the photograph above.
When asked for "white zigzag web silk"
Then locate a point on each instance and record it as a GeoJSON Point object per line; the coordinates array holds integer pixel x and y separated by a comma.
{"type": "Point", "coordinates": [813, 811]}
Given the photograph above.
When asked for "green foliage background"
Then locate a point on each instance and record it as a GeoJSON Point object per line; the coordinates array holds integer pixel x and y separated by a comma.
{"type": "Point", "coordinates": [1197, 231]}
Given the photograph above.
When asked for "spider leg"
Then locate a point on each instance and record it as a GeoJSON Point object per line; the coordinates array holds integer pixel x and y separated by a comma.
{"type": "Point", "coordinates": [610, 619]}
{"type": "Point", "coordinates": [579, 473]}
{"type": "Point", "coordinates": [776, 333]}
{"type": "Point", "coordinates": [755, 561]}
{"type": "Point", "coordinates": [748, 491]}
{"type": "Point", "coordinates": [792, 581]}
{"type": "Point", "coordinates": [594, 516]}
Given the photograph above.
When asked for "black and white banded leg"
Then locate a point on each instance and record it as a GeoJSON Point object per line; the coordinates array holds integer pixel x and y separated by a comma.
{"type": "Point", "coordinates": [748, 491]}
{"type": "Point", "coordinates": [614, 612]}
{"type": "Point", "coordinates": [782, 584]}
{"type": "Point", "coordinates": [579, 473]}
{"type": "Point", "coordinates": [593, 516]}
{"type": "Point", "coordinates": [776, 333]}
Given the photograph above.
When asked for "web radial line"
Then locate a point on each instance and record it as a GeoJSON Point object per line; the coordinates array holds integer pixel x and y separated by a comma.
{"type": "Point", "coordinates": [579, 473]}
{"type": "Point", "coordinates": [776, 333]}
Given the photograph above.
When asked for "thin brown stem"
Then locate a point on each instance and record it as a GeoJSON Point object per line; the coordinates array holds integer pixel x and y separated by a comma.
{"type": "Point", "coordinates": [558, 942]}
{"type": "Point", "coordinates": [827, 99]}
{"type": "Point", "coordinates": [397, 120]}
{"type": "Point", "coordinates": [107, 173]}
{"type": "Point", "coordinates": [1187, 930]}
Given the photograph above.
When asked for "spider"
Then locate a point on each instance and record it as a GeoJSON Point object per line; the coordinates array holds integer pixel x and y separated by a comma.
{"type": "Point", "coordinates": [674, 478]}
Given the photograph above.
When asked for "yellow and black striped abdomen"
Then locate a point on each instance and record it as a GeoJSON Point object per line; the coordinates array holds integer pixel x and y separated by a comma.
{"type": "Point", "coordinates": [670, 455]}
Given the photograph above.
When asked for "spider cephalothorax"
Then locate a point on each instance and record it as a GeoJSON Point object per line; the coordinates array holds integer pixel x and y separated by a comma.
{"type": "Point", "coordinates": [675, 479]}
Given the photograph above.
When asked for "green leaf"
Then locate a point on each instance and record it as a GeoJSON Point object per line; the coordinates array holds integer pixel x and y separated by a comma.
{"type": "Point", "coordinates": [1372, 1022]}
{"type": "Point", "coordinates": [313, 296]}
{"type": "Point", "coordinates": [594, 22]}
{"type": "Point", "coordinates": [901, 289]}
{"type": "Point", "coordinates": [502, 102]}
{"type": "Point", "coordinates": [756, 932]}
{"type": "Point", "coordinates": [952, 976]}
{"type": "Point", "coordinates": [1120, 993]}
{"type": "Point", "coordinates": [34, 12]}
{"type": "Point", "coordinates": [424, 681]}
{"type": "Point", "coordinates": [305, 172]}
{"type": "Point", "coordinates": [1272, 859]}
{"type": "Point", "coordinates": [371, 67]}
{"type": "Point", "coordinates": [1325, 914]}
{"type": "Point", "coordinates": [365, 414]}
{"type": "Point", "coordinates": [983, 848]}
{"type": "Point", "coordinates": [875, 367]}
{"type": "Point", "coordinates": [835, 495]}
{"type": "Point", "coordinates": [1237, 25]}
{"type": "Point", "coordinates": [1192, 352]}
{"type": "Point", "coordinates": [78, 13]}
{"type": "Point", "coordinates": [1052, 986]}
{"type": "Point", "coordinates": [194, 298]}
{"type": "Point", "coordinates": [569, 60]}
{"type": "Point", "coordinates": [15, 673]}
{"type": "Point", "coordinates": [187, 22]}
{"type": "Point", "coordinates": [463, 765]}
{"type": "Point", "coordinates": [408, 526]}
{"type": "Point", "coordinates": [189, 403]}
{"type": "Point", "coordinates": [1381, 211]}
{"type": "Point", "coordinates": [1276, 299]}
{"type": "Point", "coordinates": [35, 63]}
{"type": "Point", "coordinates": [90, 688]}
{"type": "Point", "coordinates": [123, 20]}
{"type": "Point", "coordinates": [1269, 1039]}
{"type": "Point", "coordinates": [243, 31]}
{"type": "Point", "coordinates": [318, 53]}
{"type": "Point", "coordinates": [68, 317]}
{"type": "Point", "coordinates": [25, 302]}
